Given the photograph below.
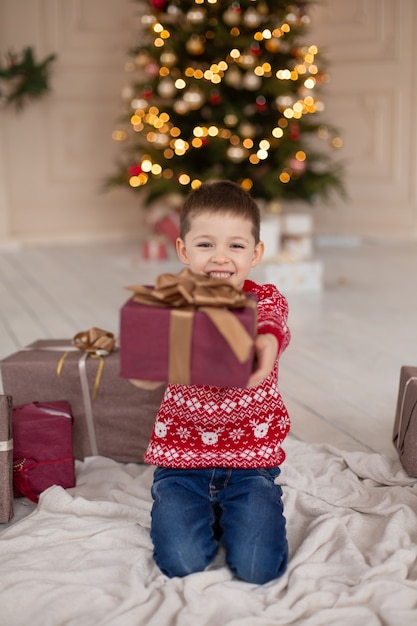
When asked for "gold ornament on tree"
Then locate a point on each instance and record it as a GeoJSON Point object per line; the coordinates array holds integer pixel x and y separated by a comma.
{"type": "Point", "coordinates": [196, 45]}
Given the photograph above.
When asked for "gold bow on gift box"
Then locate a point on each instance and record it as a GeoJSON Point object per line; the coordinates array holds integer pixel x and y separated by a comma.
{"type": "Point", "coordinates": [95, 341]}
{"type": "Point", "coordinates": [185, 293]}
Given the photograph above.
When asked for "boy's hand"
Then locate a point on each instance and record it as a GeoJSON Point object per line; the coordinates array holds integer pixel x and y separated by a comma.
{"type": "Point", "coordinates": [266, 348]}
{"type": "Point", "coordinates": [146, 384]}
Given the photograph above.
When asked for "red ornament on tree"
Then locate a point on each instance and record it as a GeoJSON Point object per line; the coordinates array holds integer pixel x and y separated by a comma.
{"type": "Point", "coordinates": [134, 170]}
{"type": "Point", "coordinates": [261, 104]}
{"type": "Point", "coordinates": [215, 97]}
{"type": "Point", "coordinates": [255, 49]}
{"type": "Point", "coordinates": [159, 5]}
{"type": "Point", "coordinates": [294, 131]}
{"type": "Point", "coordinates": [147, 93]}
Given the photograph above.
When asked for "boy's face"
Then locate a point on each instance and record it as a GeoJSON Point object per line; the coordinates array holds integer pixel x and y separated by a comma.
{"type": "Point", "coordinates": [221, 246]}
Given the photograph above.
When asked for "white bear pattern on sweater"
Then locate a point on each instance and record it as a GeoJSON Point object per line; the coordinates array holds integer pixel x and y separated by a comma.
{"type": "Point", "coordinates": [202, 426]}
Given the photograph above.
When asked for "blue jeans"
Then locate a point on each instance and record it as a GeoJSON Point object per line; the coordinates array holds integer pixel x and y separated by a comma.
{"type": "Point", "coordinates": [194, 510]}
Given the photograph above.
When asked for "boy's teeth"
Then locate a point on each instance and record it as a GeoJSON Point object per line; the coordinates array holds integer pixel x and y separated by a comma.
{"type": "Point", "coordinates": [220, 274]}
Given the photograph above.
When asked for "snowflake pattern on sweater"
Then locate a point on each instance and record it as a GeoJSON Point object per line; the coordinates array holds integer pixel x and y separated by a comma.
{"type": "Point", "coordinates": [202, 426]}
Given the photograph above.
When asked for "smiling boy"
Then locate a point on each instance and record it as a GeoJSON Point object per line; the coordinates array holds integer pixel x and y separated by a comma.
{"type": "Point", "coordinates": [218, 449]}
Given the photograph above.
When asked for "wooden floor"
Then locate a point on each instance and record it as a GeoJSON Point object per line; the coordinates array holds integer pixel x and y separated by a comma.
{"type": "Point", "coordinates": [339, 377]}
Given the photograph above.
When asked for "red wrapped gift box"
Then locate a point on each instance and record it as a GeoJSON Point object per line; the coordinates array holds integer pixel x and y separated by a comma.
{"type": "Point", "coordinates": [154, 249]}
{"type": "Point", "coordinates": [168, 225]}
{"type": "Point", "coordinates": [42, 456]}
{"type": "Point", "coordinates": [183, 344]}
{"type": "Point", "coordinates": [122, 416]}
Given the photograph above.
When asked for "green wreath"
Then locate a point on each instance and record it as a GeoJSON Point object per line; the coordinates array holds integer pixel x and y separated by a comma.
{"type": "Point", "coordinates": [22, 78]}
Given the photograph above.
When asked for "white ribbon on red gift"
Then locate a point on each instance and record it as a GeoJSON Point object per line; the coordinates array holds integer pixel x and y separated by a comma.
{"type": "Point", "coordinates": [5, 446]}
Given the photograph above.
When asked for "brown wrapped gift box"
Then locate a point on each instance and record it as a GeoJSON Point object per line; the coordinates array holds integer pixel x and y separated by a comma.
{"type": "Point", "coordinates": [6, 459]}
{"type": "Point", "coordinates": [405, 424]}
{"type": "Point", "coordinates": [123, 415]}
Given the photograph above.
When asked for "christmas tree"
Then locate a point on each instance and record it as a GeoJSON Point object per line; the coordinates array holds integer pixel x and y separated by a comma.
{"type": "Point", "coordinates": [226, 90]}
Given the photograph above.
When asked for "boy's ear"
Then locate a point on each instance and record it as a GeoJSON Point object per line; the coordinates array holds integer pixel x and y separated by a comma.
{"type": "Point", "coordinates": [181, 251]}
{"type": "Point", "coordinates": [258, 253]}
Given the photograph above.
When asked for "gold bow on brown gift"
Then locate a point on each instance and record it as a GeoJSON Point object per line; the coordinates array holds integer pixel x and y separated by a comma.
{"type": "Point", "coordinates": [95, 340]}
{"type": "Point", "coordinates": [187, 292]}
{"type": "Point", "coordinates": [96, 343]}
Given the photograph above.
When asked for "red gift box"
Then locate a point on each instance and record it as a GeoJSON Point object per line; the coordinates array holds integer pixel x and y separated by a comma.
{"type": "Point", "coordinates": [169, 226]}
{"type": "Point", "coordinates": [42, 456]}
{"type": "Point", "coordinates": [154, 249]}
{"type": "Point", "coordinates": [211, 344]}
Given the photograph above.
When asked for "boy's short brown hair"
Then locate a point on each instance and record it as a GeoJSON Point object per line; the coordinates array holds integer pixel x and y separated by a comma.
{"type": "Point", "coordinates": [222, 196]}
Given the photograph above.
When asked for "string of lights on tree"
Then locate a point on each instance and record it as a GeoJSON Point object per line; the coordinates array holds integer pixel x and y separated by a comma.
{"type": "Point", "coordinates": [226, 90]}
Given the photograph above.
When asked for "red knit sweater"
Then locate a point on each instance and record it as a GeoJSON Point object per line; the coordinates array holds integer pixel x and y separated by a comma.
{"type": "Point", "coordinates": [202, 426]}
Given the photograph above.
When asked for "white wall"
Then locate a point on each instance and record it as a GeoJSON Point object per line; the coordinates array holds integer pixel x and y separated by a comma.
{"type": "Point", "coordinates": [372, 47]}
{"type": "Point", "coordinates": [56, 153]}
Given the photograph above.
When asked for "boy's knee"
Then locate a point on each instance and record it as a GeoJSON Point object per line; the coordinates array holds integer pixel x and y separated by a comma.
{"type": "Point", "coordinates": [260, 570]}
{"type": "Point", "coordinates": [181, 562]}
{"type": "Point", "coordinates": [260, 575]}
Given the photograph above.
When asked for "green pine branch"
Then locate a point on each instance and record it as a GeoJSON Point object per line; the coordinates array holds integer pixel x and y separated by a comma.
{"type": "Point", "coordinates": [23, 79]}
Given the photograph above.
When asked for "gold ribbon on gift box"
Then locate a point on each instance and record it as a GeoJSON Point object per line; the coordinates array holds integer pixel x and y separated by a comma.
{"type": "Point", "coordinates": [185, 293]}
{"type": "Point", "coordinates": [96, 343]}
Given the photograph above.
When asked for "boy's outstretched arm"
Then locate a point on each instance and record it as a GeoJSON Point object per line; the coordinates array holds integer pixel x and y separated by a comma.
{"type": "Point", "coordinates": [266, 349]}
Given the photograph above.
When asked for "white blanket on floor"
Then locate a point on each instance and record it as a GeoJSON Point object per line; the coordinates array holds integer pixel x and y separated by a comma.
{"type": "Point", "coordinates": [83, 557]}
